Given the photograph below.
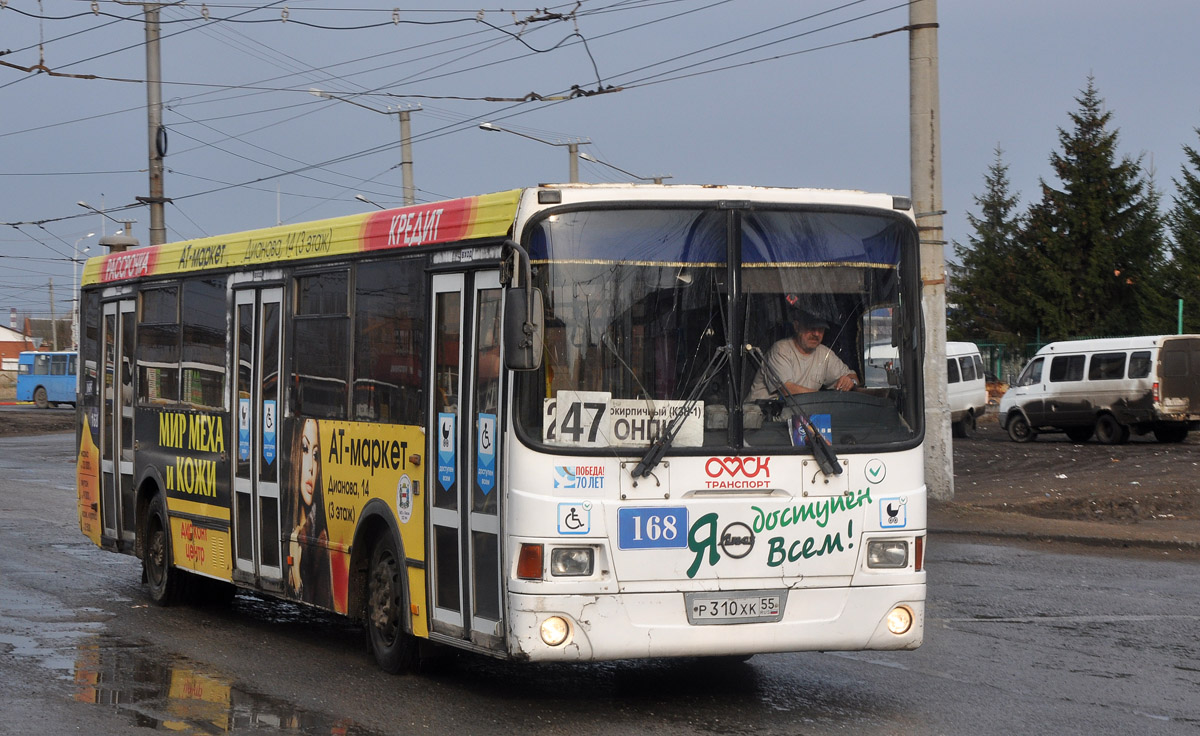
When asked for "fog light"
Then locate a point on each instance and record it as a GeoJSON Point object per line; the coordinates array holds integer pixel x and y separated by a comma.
{"type": "Point", "coordinates": [571, 561]}
{"type": "Point", "coordinates": [899, 621]}
{"type": "Point", "coordinates": [555, 630]}
{"type": "Point", "coordinates": [887, 553]}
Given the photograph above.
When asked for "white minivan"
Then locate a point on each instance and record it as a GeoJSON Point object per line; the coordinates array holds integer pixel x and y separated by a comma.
{"type": "Point", "coordinates": [966, 388]}
{"type": "Point", "coordinates": [1108, 387]}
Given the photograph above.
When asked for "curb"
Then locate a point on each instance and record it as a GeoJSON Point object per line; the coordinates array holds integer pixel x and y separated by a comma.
{"type": "Point", "coordinates": [1008, 525]}
{"type": "Point", "coordinates": [1084, 539]}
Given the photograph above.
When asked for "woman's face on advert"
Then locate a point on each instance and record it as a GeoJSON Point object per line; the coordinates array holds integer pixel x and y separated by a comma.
{"type": "Point", "coordinates": [309, 457]}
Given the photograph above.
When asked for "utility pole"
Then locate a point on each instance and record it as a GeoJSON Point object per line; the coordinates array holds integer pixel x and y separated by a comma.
{"type": "Point", "coordinates": [157, 134]}
{"type": "Point", "coordinates": [53, 321]}
{"type": "Point", "coordinates": [573, 168]}
{"type": "Point", "coordinates": [572, 147]}
{"type": "Point", "coordinates": [405, 115]}
{"type": "Point", "coordinates": [926, 173]}
{"type": "Point", "coordinates": [406, 162]}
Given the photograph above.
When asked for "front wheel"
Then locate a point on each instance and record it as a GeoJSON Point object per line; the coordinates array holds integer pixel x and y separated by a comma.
{"type": "Point", "coordinates": [165, 582]}
{"type": "Point", "coordinates": [1109, 431]}
{"type": "Point", "coordinates": [394, 648]}
{"type": "Point", "coordinates": [39, 398]}
{"type": "Point", "coordinates": [1019, 429]}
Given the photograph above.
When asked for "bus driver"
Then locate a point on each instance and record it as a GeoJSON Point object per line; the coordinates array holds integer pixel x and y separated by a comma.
{"type": "Point", "coordinates": [802, 363]}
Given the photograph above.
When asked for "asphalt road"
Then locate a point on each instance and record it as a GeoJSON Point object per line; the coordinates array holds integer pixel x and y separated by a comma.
{"type": "Point", "coordinates": [1018, 640]}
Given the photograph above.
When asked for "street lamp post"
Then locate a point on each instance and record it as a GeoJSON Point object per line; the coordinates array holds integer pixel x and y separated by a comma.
{"type": "Point", "coordinates": [361, 198]}
{"type": "Point", "coordinates": [655, 179]}
{"type": "Point", "coordinates": [119, 241]}
{"type": "Point", "coordinates": [406, 162]}
{"type": "Point", "coordinates": [75, 293]}
{"type": "Point", "coordinates": [572, 147]}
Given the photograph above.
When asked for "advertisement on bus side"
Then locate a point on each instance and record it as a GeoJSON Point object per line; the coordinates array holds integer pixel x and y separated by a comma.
{"type": "Point", "coordinates": [335, 468]}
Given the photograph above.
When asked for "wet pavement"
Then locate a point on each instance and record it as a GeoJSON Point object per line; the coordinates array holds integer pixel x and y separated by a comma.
{"type": "Point", "coordinates": [1017, 640]}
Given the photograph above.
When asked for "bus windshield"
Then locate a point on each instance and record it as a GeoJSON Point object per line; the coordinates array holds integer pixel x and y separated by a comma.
{"type": "Point", "coordinates": [660, 318]}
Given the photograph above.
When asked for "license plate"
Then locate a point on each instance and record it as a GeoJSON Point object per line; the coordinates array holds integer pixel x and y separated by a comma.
{"type": "Point", "coordinates": [742, 607]}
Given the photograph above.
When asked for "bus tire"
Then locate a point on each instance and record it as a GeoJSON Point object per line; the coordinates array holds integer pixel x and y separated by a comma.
{"type": "Point", "coordinates": [165, 582]}
{"type": "Point", "coordinates": [39, 398]}
{"type": "Point", "coordinates": [1109, 431]}
{"type": "Point", "coordinates": [394, 648]}
{"type": "Point", "coordinates": [1019, 429]}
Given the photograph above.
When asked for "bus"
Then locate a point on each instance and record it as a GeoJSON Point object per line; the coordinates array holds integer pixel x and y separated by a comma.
{"type": "Point", "coordinates": [47, 378]}
{"type": "Point", "coordinates": [521, 423]}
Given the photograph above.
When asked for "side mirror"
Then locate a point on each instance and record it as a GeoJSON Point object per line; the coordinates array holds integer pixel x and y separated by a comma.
{"type": "Point", "coordinates": [524, 328]}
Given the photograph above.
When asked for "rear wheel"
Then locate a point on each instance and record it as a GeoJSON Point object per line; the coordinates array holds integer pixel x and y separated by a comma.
{"type": "Point", "coordinates": [964, 428]}
{"type": "Point", "coordinates": [394, 648]}
{"type": "Point", "coordinates": [1170, 432]}
{"type": "Point", "coordinates": [1109, 431]}
{"type": "Point", "coordinates": [165, 582]}
{"type": "Point", "coordinates": [1079, 434]}
{"type": "Point", "coordinates": [1019, 429]}
{"type": "Point", "coordinates": [39, 398]}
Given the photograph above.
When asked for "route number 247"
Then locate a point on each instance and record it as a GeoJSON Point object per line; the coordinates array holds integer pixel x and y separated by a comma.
{"type": "Point", "coordinates": [579, 424]}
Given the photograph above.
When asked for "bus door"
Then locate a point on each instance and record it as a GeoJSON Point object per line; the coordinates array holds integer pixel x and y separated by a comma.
{"type": "Point", "coordinates": [464, 467]}
{"type": "Point", "coordinates": [118, 505]}
{"type": "Point", "coordinates": [256, 403]}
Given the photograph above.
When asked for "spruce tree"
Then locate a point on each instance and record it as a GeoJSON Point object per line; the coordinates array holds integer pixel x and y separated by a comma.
{"type": "Point", "coordinates": [1184, 223]}
{"type": "Point", "coordinates": [1095, 247]}
{"type": "Point", "coordinates": [985, 288]}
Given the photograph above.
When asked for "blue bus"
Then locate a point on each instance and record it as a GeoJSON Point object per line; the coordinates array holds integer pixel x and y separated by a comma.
{"type": "Point", "coordinates": [47, 378]}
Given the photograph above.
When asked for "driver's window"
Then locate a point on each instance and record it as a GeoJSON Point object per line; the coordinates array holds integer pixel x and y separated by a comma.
{"type": "Point", "coordinates": [1032, 374]}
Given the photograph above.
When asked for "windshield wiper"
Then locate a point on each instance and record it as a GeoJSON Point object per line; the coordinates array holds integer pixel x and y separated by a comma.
{"type": "Point", "coordinates": [660, 446]}
{"type": "Point", "coordinates": [826, 458]}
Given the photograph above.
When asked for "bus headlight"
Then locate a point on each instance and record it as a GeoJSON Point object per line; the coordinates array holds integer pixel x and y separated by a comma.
{"type": "Point", "coordinates": [555, 630]}
{"type": "Point", "coordinates": [887, 553]}
{"type": "Point", "coordinates": [571, 561]}
{"type": "Point", "coordinates": [899, 620]}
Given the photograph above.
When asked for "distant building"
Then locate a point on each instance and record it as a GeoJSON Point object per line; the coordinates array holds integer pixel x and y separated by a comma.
{"type": "Point", "coordinates": [12, 343]}
{"type": "Point", "coordinates": [42, 330]}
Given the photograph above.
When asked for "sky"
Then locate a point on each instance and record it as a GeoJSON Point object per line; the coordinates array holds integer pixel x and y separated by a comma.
{"type": "Point", "coordinates": [793, 93]}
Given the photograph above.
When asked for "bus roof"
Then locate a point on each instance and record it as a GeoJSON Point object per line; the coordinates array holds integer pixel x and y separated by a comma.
{"type": "Point", "coordinates": [455, 220]}
{"type": "Point", "coordinates": [486, 216]}
{"type": "Point", "coordinates": [1097, 344]}
{"type": "Point", "coordinates": [31, 353]}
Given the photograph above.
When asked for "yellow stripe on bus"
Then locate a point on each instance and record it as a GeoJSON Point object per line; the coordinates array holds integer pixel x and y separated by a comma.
{"type": "Point", "coordinates": [194, 508]}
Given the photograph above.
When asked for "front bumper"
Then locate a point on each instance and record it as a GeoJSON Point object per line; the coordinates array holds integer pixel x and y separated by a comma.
{"type": "Point", "coordinates": [634, 625]}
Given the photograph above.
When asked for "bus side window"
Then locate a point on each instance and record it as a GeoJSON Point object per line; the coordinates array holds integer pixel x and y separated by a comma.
{"type": "Point", "coordinates": [1139, 364]}
{"type": "Point", "coordinates": [1106, 367]}
{"type": "Point", "coordinates": [322, 320]}
{"type": "Point", "coordinates": [952, 370]}
{"type": "Point", "coordinates": [1066, 368]}
{"type": "Point", "coordinates": [968, 368]}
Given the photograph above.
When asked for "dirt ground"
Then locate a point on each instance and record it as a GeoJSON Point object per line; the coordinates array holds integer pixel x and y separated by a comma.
{"type": "Point", "coordinates": [1142, 482]}
{"type": "Point", "coordinates": [25, 421]}
{"type": "Point", "coordinates": [1054, 478]}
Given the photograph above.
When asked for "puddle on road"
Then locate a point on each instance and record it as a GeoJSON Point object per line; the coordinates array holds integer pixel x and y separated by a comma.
{"type": "Point", "coordinates": [178, 697]}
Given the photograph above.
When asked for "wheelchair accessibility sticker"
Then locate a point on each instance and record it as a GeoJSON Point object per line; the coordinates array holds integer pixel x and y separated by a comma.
{"type": "Point", "coordinates": [575, 518]}
{"type": "Point", "coordinates": [893, 512]}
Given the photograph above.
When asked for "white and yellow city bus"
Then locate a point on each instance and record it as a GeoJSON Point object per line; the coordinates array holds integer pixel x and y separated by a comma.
{"type": "Point", "coordinates": [523, 423]}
